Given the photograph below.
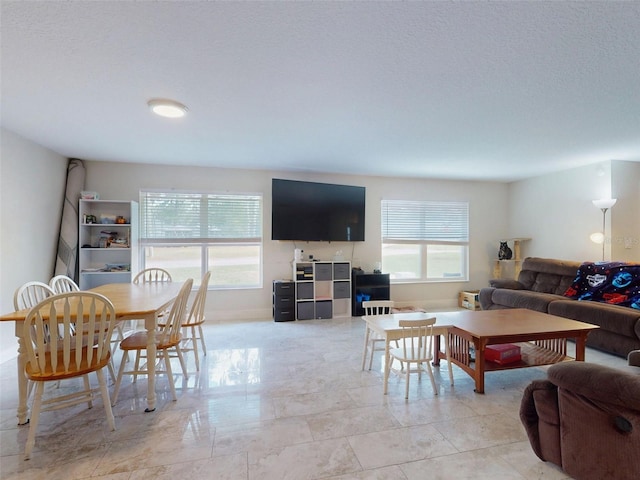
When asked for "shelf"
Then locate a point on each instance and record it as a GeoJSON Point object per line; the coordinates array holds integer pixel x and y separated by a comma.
{"type": "Point", "coordinates": [322, 289]}
{"type": "Point", "coordinates": [94, 258]}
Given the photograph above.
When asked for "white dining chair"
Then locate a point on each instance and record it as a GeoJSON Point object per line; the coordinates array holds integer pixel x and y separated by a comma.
{"type": "Point", "coordinates": [85, 321]}
{"type": "Point", "coordinates": [195, 318]}
{"type": "Point", "coordinates": [63, 284]}
{"type": "Point", "coordinates": [168, 338]}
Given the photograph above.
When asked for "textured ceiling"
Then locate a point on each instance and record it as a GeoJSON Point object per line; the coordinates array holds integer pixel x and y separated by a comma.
{"type": "Point", "coordinates": [469, 90]}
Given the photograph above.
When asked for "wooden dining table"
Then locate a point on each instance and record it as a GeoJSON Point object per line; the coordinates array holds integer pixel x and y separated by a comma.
{"type": "Point", "coordinates": [387, 326]}
{"type": "Point", "coordinates": [131, 301]}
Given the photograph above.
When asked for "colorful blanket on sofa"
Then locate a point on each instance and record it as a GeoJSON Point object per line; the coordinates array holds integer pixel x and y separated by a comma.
{"type": "Point", "coordinates": [616, 283]}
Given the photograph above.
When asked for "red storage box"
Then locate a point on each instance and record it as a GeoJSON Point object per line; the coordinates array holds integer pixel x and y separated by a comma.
{"type": "Point", "coordinates": [502, 354]}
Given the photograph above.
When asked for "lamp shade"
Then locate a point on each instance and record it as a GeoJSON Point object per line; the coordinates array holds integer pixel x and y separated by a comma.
{"type": "Point", "coordinates": [605, 202]}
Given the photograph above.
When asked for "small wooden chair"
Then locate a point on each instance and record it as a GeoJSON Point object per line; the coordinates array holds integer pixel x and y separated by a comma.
{"type": "Point", "coordinates": [374, 307]}
{"type": "Point", "coordinates": [417, 348]}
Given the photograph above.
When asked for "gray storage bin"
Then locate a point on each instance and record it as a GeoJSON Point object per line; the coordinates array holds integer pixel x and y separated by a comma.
{"type": "Point", "coordinates": [304, 291]}
{"type": "Point", "coordinates": [305, 310]}
{"type": "Point", "coordinates": [324, 309]}
{"type": "Point", "coordinates": [341, 271]}
{"type": "Point", "coordinates": [323, 271]}
{"type": "Point", "coordinates": [341, 290]}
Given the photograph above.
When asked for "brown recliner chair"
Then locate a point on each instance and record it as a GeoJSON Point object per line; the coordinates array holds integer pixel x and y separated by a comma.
{"type": "Point", "coordinates": [585, 418]}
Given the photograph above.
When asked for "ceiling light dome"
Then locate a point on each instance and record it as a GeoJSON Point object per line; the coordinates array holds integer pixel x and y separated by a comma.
{"type": "Point", "coordinates": [167, 108]}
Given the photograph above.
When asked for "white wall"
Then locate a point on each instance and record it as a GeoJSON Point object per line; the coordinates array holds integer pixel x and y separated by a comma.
{"type": "Point", "coordinates": [32, 184]}
{"type": "Point", "coordinates": [557, 213]}
{"type": "Point", "coordinates": [625, 214]}
{"type": "Point", "coordinates": [488, 223]}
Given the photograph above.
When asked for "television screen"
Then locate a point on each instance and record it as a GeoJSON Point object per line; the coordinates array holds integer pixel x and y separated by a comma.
{"type": "Point", "coordinates": [310, 211]}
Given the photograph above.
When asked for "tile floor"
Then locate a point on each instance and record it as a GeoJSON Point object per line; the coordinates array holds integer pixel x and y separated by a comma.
{"type": "Point", "coordinates": [285, 401]}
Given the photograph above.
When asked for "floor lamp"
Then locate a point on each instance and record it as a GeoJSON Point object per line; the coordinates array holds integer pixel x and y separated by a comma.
{"type": "Point", "coordinates": [604, 204]}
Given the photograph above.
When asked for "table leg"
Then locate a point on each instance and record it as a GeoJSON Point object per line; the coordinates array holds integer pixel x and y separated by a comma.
{"type": "Point", "coordinates": [23, 384]}
{"type": "Point", "coordinates": [479, 370]}
{"type": "Point", "coordinates": [367, 333]}
{"type": "Point", "coordinates": [387, 364]}
{"type": "Point", "coordinates": [436, 351]}
{"type": "Point", "coordinates": [150, 324]}
{"type": "Point", "coordinates": [581, 343]}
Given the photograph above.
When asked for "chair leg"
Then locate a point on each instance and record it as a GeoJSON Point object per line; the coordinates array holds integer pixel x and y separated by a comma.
{"type": "Point", "coordinates": [194, 339]}
{"type": "Point", "coordinates": [406, 388]}
{"type": "Point", "coordinates": [167, 364]}
{"type": "Point", "coordinates": [116, 389]}
{"type": "Point", "coordinates": [372, 347]}
{"type": "Point", "coordinates": [136, 366]}
{"type": "Point", "coordinates": [204, 345]}
{"type": "Point", "coordinates": [367, 333]}
{"type": "Point", "coordinates": [87, 388]}
{"type": "Point", "coordinates": [35, 417]}
{"type": "Point", "coordinates": [387, 369]}
{"type": "Point", "coordinates": [431, 377]}
{"type": "Point", "coordinates": [182, 362]}
{"type": "Point", "coordinates": [105, 399]}
{"type": "Point", "coordinates": [446, 351]}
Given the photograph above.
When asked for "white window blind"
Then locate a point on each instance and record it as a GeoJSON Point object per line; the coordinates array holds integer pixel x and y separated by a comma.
{"type": "Point", "coordinates": [187, 217]}
{"type": "Point", "coordinates": [424, 221]}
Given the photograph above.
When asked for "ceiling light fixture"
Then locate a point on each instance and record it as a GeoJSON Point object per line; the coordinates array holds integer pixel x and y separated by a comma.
{"type": "Point", "coordinates": [167, 108]}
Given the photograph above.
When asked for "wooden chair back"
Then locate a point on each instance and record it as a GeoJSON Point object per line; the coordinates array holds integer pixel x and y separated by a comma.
{"type": "Point", "coordinates": [30, 294]}
{"type": "Point", "coordinates": [196, 312]}
{"type": "Point", "coordinates": [377, 307]}
{"type": "Point", "coordinates": [63, 284]}
{"type": "Point", "coordinates": [417, 339]}
{"type": "Point", "coordinates": [152, 275]}
{"type": "Point", "coordinates": [84, 322]}
{"type": "Point", "coordinates": [170, 328]}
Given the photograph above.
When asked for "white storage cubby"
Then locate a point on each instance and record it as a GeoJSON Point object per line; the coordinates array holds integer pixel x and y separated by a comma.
{"type": "Point", "coordinates": [323, 289]}
{"type": "Point", "coordinates": [108, 240]}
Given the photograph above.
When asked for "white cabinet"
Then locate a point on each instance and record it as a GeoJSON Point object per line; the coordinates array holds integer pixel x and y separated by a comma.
{"type": "Point", "coordinates": [323, 289]}
{"type": "Point", "coordinates": [108, 240]}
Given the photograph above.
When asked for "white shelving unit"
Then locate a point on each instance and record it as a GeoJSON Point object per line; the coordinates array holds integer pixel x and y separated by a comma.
{"type": "Point", "coordinates": [108, 239]}
{"type": "Point", "coordinates": [323, 289]}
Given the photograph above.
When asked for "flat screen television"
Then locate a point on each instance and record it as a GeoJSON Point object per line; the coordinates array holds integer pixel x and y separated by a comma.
{"type": "Point", "coordinates": [322, 212]}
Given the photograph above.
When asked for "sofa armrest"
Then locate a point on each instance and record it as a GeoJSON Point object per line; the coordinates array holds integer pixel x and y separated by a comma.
{"type": "Point", "coordinates": [540, 416]}
{"type": "Point", "coordinates": [634, 358]}
{"type": "Point", "coordinates": [506, 283]}
{"type": "Point", "coordinates": [598, 382]}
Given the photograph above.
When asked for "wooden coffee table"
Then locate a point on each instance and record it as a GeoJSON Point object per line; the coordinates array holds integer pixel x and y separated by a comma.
{"type": "Point", "coordinates": [541, 337]}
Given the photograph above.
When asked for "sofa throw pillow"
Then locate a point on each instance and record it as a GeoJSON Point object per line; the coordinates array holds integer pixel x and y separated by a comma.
{"type": "Point", "coordinates": [617, 283]}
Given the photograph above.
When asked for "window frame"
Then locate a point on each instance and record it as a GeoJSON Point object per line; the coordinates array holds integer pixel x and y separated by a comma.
{"type": "Point", "coordinates": [204, 240]}
{"type": "Point", "coordinates": [426, 232]}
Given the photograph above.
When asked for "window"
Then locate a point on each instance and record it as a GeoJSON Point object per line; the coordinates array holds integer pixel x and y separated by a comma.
{"type": "Point", "coordinates": [188, 233]}
{"type": "Point", "coordinates": [425, 241]}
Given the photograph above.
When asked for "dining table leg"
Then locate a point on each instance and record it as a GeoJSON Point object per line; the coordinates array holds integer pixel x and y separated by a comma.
{"type": "Point", "coordinates": [367, 334]}
{"type": "Point", "coordinates": [150, 323]}
{"type": "Point", "coordinates": [23, 384]}
{"type": "Point", "coordinates": [387, 365]}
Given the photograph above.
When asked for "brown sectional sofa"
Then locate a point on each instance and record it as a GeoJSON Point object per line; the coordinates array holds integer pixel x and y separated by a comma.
{"type": "Point", "coordinates": [540, 286]}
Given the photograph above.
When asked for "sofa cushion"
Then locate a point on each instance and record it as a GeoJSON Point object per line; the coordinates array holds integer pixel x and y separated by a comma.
{"type": "Point", "coordinates": [523, 299]}
{"type": "Point", "coordinates": [547, 275]}
{"type": "Point", "coordinates": [621, 320]}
